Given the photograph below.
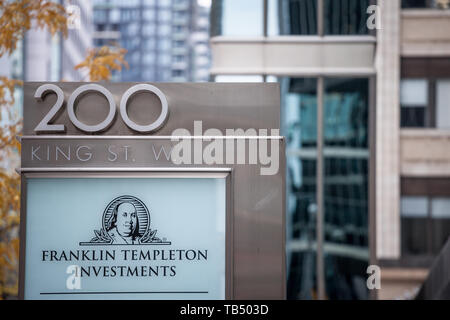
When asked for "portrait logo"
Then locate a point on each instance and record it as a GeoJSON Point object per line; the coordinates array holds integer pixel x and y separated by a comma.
{"type": "Point", "coordinates": [125, 221]}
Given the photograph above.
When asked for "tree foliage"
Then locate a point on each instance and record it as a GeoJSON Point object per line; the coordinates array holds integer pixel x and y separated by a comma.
{"type": "Point", "coordinates": [19, 15]}
{"type": "Point", "coordinates": [16, 17]}
{"type": "Point", "coordinates": [102, 61]}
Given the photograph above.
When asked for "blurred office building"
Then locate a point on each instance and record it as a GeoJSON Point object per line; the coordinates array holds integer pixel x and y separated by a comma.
{"type": "Point", "coordinates": [365, 94]}
{"type": "Point", "coordinates": [167, 40]}
{"type": "Point", "coordinates": [47, 58]}
{"type": "Point", "coordinates": [42, 57]}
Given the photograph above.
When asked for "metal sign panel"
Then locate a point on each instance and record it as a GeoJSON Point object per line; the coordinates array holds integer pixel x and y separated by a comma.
{"type": "Point", "coordinates": [152, 191]}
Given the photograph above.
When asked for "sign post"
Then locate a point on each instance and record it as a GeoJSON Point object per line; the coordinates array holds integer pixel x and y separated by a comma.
{"type": "Point", "coordinates": [152, 191]}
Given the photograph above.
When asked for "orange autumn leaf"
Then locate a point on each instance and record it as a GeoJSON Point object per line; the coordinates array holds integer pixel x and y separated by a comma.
{"type": "Point", "coordinates": [101, 61]}
{"type": "Point", "coordinates": [18, 16]}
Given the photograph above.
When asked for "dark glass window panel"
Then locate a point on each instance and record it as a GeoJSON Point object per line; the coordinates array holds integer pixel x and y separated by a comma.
{"type": "Point", "coordinates": [343, 17]}
{"type": "Point", "coordinates": [302, 276]}
{"type": "Point", "coordinates": [301, 229]}
{"type": "Point", "coordinates": [414, 236]}
{"type": "Point", "coordinates": [300, 112]}
{"type": "Point", "coordinates": [440, 233]}
{"type": "Point", "coordinates": [440, 222]}
{"type": "Point", "coordinates": [413, 117]}
{"type": "Point", "coordinates": [302, 17]}
{"type": "Point", "coordinates": [299, 125]}
{"type": "Point", "coordinates": [346, 202]}
{"type": "Point", "coordinates": [302, 198]}
{"type": "Point", "coordinates": [345, 277]}
{"type": "Point", "coordinates": [346, 174]}
{"type": "Point", "coordinates": [417, 3]}
{"type": "Point", "coordinates": [346, 113]}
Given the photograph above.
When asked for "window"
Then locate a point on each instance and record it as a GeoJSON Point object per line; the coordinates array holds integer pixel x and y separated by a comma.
{"type": "Point", "coordinates": [425, 224]}
{"type": "Point", "coordinates": [411, 4]}
{"type": "Point", "coordinates": [345, 157]}
{"type": "Point", "coordinates": [178, 44]}
{"type": "Point", "coordinates": [164, 30]}
{"type": "Point", "coordinates": [163, 3]}
{"type": "Point", "coordinates": [414, 215]}
{"type": "Point", "coordinates": [345, 184]}
{"type": "Point", "coordinates": [149, 29]}
{"type": "Point", "coordinates": [424, 93]}
{"type": "Point", "coordinates": [299, 125]}
{"type": "Point", "coordinates": [163, 15]}
{"type": "Point", "coordinates": [415, 3]}
{"type": "Point", "coordinates": [100, 15]}
{"type": "Point", "coordinates": [164, 60]}
{"type": "Point", "coordinates": [149, 44]}
{"type": "Point", "coordinates": [238, 18]}
{"type": "Point", "coordinates": [148, 58]}
{"type": "Point", "coordinates": [289, 17]}
{"type": "Point", "coordinates": [345, 17]}
{"type": "Point", "coordinates": [114, 16]}
{"type": "Point", "coordinates": [178, 58]}
{"type": "Point", "coordinates": [177, 73]}
{"type": "Point", "coordinates": [149, 14]}
{"type": "Point", "coordinates": [414, 102]}
{"type": "Point", "coordinates": [443, 104]}
{"type": "Point", "coordinates": [132, 28]}
{"type": "Point", "coordinates": [425, 216]}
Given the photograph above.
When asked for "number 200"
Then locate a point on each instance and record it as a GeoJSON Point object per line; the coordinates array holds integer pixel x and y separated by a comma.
{"type": "Point", "coordinates": [45, 126]}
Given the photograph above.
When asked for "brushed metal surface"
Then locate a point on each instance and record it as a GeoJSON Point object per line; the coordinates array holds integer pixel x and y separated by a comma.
{"type": "Point", "coordinates": [256, 252]}
{"type": "Point", "coordinates": [218, 105]}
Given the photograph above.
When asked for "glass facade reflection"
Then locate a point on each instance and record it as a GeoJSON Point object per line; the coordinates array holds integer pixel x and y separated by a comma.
{"type": "Point", "coordinates": [297, 17]}
{"type": "Point", "coordinates": [346, 174]}
{"type": "Point", "coordinates": [344, 151]}
{"type": "Point", "coordinates": [346, 17]}
{"type": "Point", "coordinates": [289, 17]}
{"type": "Point", "coordinates": [165, 40]}
{"type": "Point", "coordinates": [299, 114]}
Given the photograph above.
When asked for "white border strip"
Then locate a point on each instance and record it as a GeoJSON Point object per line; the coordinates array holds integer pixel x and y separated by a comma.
{"type": "Point", "coordinates": [121, 169]}
{"type": "Point", "coordinates": [175, 138]}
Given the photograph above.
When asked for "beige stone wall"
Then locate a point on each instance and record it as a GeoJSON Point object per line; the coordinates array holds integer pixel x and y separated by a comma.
{"type": "Point", "coordinates": [301, 56]}
{"type": "Point", "coordinates": [400, 284]}
{"type": "Point", "coordinates": [425, 153]}
{"type": "Point", "coordinates": [425, 33]}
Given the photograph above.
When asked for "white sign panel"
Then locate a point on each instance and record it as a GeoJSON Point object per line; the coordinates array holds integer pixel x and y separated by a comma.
{"type": "Point", "coordinates": [125, 238]}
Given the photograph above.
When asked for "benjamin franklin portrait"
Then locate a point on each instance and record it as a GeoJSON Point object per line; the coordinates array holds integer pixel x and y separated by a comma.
{"type": "Point", "coordinates": [126, 220]}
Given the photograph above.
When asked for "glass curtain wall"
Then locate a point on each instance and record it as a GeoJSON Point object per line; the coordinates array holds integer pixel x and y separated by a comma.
{"type": "Point", "coordinates": [345, 185]}
{"type": "Point", "coordinates": [341, 157]}
{"type": "Point", "coordinates": [299, 126]}
{"type": "Point", "coordinates": [288, 17]}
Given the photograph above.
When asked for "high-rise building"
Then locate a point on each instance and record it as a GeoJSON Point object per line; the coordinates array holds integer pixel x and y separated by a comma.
{"type": "Point", "coordinates": [365, 112]}
{"type": "Point", "coordinates": [166, 40]}
{"type": "Point", "coordinates": [52, 58]}
{"type": "Point", "coordinates": [43, 57]}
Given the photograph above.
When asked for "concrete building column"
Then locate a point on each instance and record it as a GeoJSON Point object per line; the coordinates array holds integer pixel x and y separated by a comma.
{"type": "Point", "coordinates": [388, 132]}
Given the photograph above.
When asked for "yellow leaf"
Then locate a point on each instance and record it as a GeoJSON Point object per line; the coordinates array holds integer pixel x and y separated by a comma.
{"type": "Point", "coordinates": [100, 62]}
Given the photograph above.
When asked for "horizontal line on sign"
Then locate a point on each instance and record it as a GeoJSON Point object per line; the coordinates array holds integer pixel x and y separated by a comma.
{"type": "Point", "coordinates": [120, 169]}
{"type": "Point", "coordinates": [123, 292]}
{"type": "Point", "coordinates": [55, 137]}
{"type": "Point", "coordinates": [165, 243]}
